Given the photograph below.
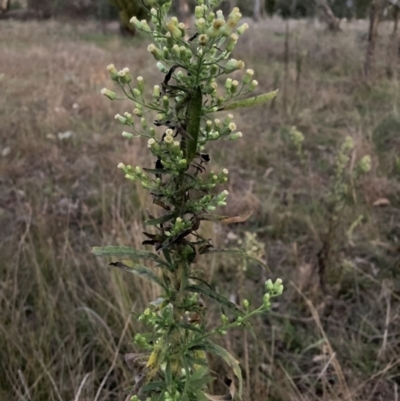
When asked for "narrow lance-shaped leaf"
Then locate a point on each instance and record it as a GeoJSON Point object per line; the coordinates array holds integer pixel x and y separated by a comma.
{"type": "Point", "coordinates": [252, 101]}
{"type": "Point", "coordinates": [139, 270]}
{"type": "Point", "coordinates": [193, 117]}
{"type": "Point", "coordinates": [223, 301]}
{"type": "Point", "coordinates": [126, 251]}
{"type": "Point", "coordinates": [230, 360]}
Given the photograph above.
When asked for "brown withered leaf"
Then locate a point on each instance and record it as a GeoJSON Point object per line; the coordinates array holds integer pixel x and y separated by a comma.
{"type": "Point", "coordinates": [136, 360]}
{"type": "Point", "coordinates": [381, 202]}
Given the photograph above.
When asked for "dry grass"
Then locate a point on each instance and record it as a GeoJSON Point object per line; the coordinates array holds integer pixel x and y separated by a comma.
{"type": "Point", "coordinates": [65, 318]}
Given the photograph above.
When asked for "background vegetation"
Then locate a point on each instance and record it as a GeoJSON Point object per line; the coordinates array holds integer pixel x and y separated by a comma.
{"type": "Point", "coordinates": [66, 319]}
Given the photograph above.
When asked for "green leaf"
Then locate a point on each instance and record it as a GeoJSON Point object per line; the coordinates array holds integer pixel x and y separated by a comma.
{"type": "Point", "coordinates": [139, 270]}
{"type": "Point", "coordinates": [193, 117]}
{"type": "Point", "coordinates": [229, 359]}
{"type": "Point", "coordinates": [252, 101]}
{"type": "Point", "coordinates": [241, 252]}
{"type": "Point", "coordinates": [132, 253]}
{"type": "Point", "coordinates": [163, 219]}
{"type": "Point", "coordinates": [208, 292]}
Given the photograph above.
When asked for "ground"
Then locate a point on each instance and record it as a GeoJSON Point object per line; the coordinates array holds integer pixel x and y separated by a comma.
{"type": "Point", "coordinates": [65, 317]}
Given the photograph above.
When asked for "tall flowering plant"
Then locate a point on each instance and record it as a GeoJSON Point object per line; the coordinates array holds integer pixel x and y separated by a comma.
{"type": "Point", "coordinates": [177, 118]}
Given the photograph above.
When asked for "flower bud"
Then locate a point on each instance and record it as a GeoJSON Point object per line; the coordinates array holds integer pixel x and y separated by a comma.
{"type": "Point", "coordinates": [253, 85]}
{"type": "Point", "coordinates": [198, 12]}
{"type": "Point", "coordinates": [172, 27]}
{"type": "Point", "coordinates": [176, 50]}
{"type": "Point", "coordinates": [145, 26]}
{"type": "Point", "coordinates": [269, 285]}
{"type": "Point", "coordinates": [156, 91]}
{"type": "Point", "coordinates": [127, 135]}
{"type": "Point", "coordinates": [266, 300]}
{"type": "Point", "coordinates": [113, 72]}
{"type": "Point", "coordinates": [155, 51]}
{"type": "Point", "coordinates": [234, 86]}
{"type": "Point", "coordinates": [162, 68]}
{"type": "Point", "coordinates": [235, 136]}
{"type": "Point", "coordinates": [233, 38]}
{"type": "Point", "coordinates": [233, 65]}
{"type": "Point", "coordinates": [140, 82]}
{"type": "Point", "coordinates": [242, 28]}
{"type": "Point", "coordinates": [110, 94]}
{"type": "Point", "coordinates": [120, 118]}
{"type": "Point", "coordinates": [248, 76]}
{"type": "Point", "coordinates": [136, 22]}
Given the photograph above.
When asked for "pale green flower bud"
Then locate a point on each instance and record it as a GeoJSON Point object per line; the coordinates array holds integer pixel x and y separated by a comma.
{"type": "Point", "coordinates": [138, 112]}
{"type": "Point", "coordinates": [143, 123]}
{"type": "Point", "coordinates": [225, 171]}
{"type": "Point", "coordinates": [127, 135]}
{"type": "Point", "coordinates": [125, 76]}
{"type": "Point", "coordinates": [215, 30]}
{"type": "Point", "coordinates": [165, 100]}
{"type": "Point", "coordinates": [234, 86]}
{"type": "Point", "coordinates": [246, 303]}
{"type": "Point", "coordinates": [138, 170]}
{"type": "Point", "coordinates": [113, 72]}
{"type": "Point", "coordinates": [220, 15]}
{"type": "Point", "coordinates": [233, 65]}
{"type": "Point", "coordinates": [269, 285]}
{"type": "Point", "coordinates": [120, 118]}
{"type": "Point", "coordinates": [248, 76]}
{"type": "Point", "coordinates": [173, 28]}
{"type": "Point", "coordinates": [155, 51]}
{"type": "Point", "coordinates": [176, 50]}
{"type": "Point", "coordinates": [156, 91]}
{"type": "Point", "coordinates": [242, 28]}
{"type": "Point", "coordinates": [266, 300]}
{"type": "Point", "coordinates": [233, 38]}
{"type": "Point", "coordinates": [235, 136]}
{"type": "Point", "coordinates": [198, 12]}
{"type": "Point", "coordinates": [253, 85]}
{"type": "Point", "coordinates": [140, 82]}
{"type": "Point", "coordinates": [136, 22]}
{"type": "Point", "coordinates": [234, 16]}
{"type": "Point", "coordinates": [121, 166]}
{"type": "Point", "coordinates": [201, 24]}
{"type": "Point", "coordinates": [228, 84]}
{"type": "Point", "coordinates": [110, 94]}
{"type": "Point", "coordinates": [145, 26]}
{"type": "Point", "coordinates": [162, 68]}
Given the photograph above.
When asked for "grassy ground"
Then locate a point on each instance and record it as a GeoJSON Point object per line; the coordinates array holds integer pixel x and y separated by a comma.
{"type": "Point", "coordinates": [65, 317]}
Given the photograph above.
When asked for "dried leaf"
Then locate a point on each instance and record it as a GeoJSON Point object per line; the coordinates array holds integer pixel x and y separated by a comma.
{"type": "Point", "coordinates": [381, 202]}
